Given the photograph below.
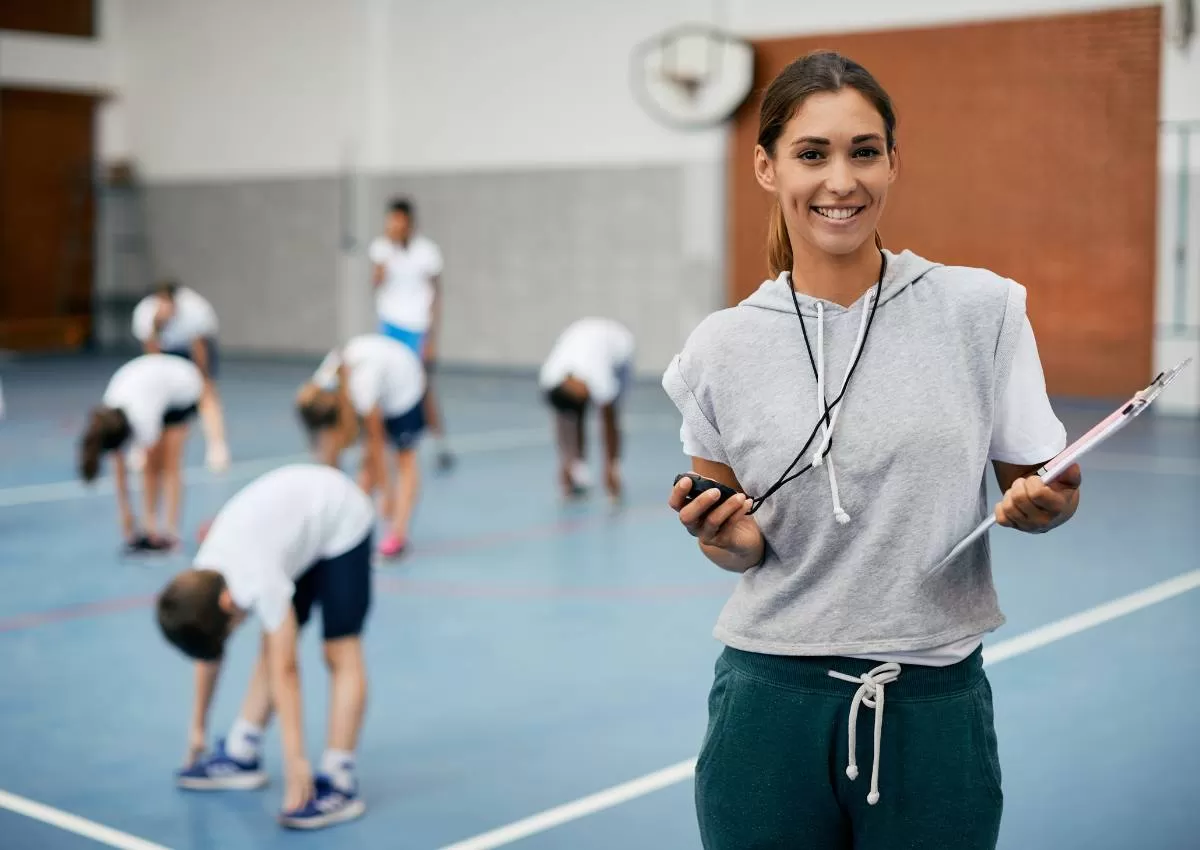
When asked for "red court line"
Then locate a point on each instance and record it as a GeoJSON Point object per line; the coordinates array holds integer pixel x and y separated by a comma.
{"type": "Point", "coordinates": [475, 590]}
{"type": "Point", "coordinates": [74, 612]}
{"type": "Point", "coordinates": [557, 528]}
{"type": "Point", "coordinates": [445, 589]}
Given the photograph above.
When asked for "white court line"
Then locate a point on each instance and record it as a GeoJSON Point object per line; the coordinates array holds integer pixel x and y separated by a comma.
{"type": "Point", "coordinates": [682, 771]}
{"type": "Point", "coordinates": [75, 824]}
{"type": "Point", "coordinates": [515, 438]}
{"type": "Point", "coordinates": [1091, 618]}
{"type": "Point", "coordinates": [487, 441]}
{"type": "Point", "coordinates": [668, 776]}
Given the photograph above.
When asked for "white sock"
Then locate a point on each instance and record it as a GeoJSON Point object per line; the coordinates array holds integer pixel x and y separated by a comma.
{"type": "Point", "coordinates": [245, 741]}
{"type": "Point", "coordinates": [338, 765]}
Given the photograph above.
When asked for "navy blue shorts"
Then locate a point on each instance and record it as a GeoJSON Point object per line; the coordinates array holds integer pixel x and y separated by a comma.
{"type": "Point", "coordinates": [404, 430]}
{"type": "Point", "coordinates": [179, 415]}
{"type": "Point", "coordinates": [210, 346]}
{"type": "Point", "coordinates": [341, 585]}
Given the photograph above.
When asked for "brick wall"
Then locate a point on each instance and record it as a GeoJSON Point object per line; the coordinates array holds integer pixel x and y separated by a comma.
{"type": "Point", "coordinates": [1028, 147]}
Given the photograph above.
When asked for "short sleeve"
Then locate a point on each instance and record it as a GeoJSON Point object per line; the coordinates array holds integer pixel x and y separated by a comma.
{"type": "Point", "coordinates": [433, 260]}
{"type": "Point", "coordinates": [145, 425]}
{"type": "Point", "coordinates": [1025, 429]}
{"type": "Point", "coordinates": [366, 386]}
{"type": "Point", "coordinates": [692, 446]}
{"type": "Point", "coordinates": [697, 421]}
{"type": "Point", "coordinates": [143, 319]}
{"type": "Point", "coordinates": [326, 375]}
{"type": "Point", "coordinates": [603, 386]}
{"type": "Point", "coordinates": [379, 250]}
{"type": "Point", "coordinates": [274, 598]}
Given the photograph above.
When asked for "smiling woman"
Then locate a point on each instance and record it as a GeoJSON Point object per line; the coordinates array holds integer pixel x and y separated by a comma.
{"type": "Point", "coordinates": [929, 374]}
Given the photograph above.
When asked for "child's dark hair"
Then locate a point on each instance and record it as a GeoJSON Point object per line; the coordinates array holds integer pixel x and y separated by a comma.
{"type": "Point", "coordinates": [317, 411]}
{"type": "Point", "coordinates": [565, 402]}
{"type": "Point", "coordinates": [166, 288]}
{"type": "Point", "coordinates": [323, 409]}
{"type": "Point", "coordinates": [402, 205]}
{"type": "Point", "coordinates": [107, 430]}
{"type": "Point", "coordinates": [191, 617]}
{"type": "Point", "coordinates": [817, 72]}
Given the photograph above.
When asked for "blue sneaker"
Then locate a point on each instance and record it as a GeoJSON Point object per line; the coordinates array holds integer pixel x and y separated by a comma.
{"type": "Point", "coordinates": [220, 772]}
{"type": "Point", "coordinates": [328, 806]}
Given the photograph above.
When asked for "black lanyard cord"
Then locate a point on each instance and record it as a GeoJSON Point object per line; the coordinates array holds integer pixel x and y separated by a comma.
{"type": "Point", "coordinates": [825, 418]}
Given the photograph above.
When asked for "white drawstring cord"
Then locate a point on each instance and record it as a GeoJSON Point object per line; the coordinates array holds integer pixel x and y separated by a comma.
{"type": "Point", "coordinates": [870, 692]}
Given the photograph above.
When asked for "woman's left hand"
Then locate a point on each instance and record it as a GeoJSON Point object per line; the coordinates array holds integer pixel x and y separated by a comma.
{"type": "Point", "coordinates": [1033, 506]}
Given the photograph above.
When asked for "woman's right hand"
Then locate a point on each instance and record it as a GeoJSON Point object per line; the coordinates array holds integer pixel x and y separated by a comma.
{"type": "Point", "coordinates": [727, 527]}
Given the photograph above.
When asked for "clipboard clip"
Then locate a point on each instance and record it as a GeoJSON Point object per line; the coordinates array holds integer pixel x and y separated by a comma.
{"type": "Point", "coordinates": [1056, 466]}
{"type": "Point", "coordinates": [1142, 399]}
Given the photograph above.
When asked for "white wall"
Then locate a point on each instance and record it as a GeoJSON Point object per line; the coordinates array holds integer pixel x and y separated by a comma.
{"type": "Point", "coordinates": [228, 88]}
{"type": "Point", "coordinates": [535, 82]}
{"type": "Point", "coordinates": [767, 18]}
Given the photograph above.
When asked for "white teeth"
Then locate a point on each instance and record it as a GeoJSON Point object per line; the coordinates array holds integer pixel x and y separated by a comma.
{"type": "Point", "coordinates": [838, 213]}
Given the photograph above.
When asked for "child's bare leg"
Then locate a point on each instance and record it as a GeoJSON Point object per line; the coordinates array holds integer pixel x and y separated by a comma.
{"type": "Point", "coordinates": [152, 488]}
{"type": "Point", "coordinates": [173, 442]}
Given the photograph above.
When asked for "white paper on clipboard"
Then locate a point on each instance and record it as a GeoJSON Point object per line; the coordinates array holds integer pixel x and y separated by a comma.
{"type": "Point", "coordinates": [1061, 462]}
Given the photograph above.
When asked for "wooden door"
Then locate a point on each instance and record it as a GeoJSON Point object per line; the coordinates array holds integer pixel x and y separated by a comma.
{"type": "Point", "coordinates": [47, 214]}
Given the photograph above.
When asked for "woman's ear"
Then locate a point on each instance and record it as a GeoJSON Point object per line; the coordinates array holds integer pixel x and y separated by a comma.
{"type": "Point", "coordinates": [894, 164]}
{"type": "Point", "coordinates": [764, 168]}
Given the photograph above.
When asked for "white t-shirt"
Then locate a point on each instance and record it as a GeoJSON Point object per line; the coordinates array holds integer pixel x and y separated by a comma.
{"type": "Point", "coordinates": [194, 319]}
{"type": "Point", "coordinates": [405, 298]}
{"type": "Point", "coordinates": [147, 387]}
{"type": "Point", "coordinates": [593, 350]}
{"type": "Point", "coordinates": [277, 527]}
{"type": "Point", "coordinates": [1025, 431]}
{"type": "Point", "coordinates": [383, 371]}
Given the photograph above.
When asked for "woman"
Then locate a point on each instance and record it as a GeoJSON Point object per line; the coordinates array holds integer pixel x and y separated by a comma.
{"type": "Point", "coordinates": [378, 381]}
{"type": "Point", "coordinates": [909, 377]}
{"type": "Point", "coordinates": [147, 406]}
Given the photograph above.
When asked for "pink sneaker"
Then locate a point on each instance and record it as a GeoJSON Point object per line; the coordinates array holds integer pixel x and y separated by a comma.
{"type": "Point", "coordinates": [391, 546]}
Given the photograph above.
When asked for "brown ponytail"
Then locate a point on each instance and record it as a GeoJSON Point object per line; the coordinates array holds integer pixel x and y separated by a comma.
{"type": "Point", "coordinates": [347, 424]}
{"type": "Point", "coordinates": [107, 430]}
{"type": "Point", "coordinates": [779, 244]}
{"type": "Point", "coordinates": [322, 409]}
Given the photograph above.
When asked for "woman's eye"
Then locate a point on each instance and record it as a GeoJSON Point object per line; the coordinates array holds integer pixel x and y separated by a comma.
{"type": "Point", "coordinates": [811, 156]}
{"type": "Point", "coordinates": [867, 152]}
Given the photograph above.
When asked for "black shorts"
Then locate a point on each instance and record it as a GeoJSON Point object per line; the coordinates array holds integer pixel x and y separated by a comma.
{"type": "Point", "coordinates": [210, 346]}
{"type": "Point", "coordinates": [341, 585]}
{"type": "Point", "coordinates": [179, 415]}
{"type": "Point", "coordinates": [404, 430]}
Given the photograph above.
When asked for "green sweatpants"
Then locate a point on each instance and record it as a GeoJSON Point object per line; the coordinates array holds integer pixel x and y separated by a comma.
{"type": "Point", "coordinates": [772, 773]}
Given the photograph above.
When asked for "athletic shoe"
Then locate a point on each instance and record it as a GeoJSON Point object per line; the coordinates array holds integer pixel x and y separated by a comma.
{"type": "Point", "coordinates": [392, 546]}
{"type": "Point", "coordinates": [221, 772]}
{"type": "Point", "coordinates": [328, 806]}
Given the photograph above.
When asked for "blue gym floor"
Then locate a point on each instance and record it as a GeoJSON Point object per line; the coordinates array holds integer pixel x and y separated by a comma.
{"type": "Point", "coordinates": [528, 654]}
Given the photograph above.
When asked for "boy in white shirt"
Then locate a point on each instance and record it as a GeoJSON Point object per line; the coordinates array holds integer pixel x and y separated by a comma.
{"type": "Point", "coordinates": [146, 408]}
{"type": "Point", "coordinates": [591, 362]}
{"type": "Point", "coordinates": [297, 536]}
{"type": "Point", "coordinates": [406, 271]}
{"type": "Point", "coordinates": [177, 320]}
{"type": "Point", "coordinates": [378, 383]}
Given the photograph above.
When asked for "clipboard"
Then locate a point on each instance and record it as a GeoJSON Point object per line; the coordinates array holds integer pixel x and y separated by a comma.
{"type": "Point", "coordinates": [1061, 462]}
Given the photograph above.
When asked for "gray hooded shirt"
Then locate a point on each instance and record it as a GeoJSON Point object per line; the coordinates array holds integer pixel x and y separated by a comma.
{"type": "Point", "coordinates": [850, 541]}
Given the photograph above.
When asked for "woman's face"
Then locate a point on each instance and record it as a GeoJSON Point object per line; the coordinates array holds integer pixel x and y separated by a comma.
{"type": "Point", "coordinates": [830, 172]}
